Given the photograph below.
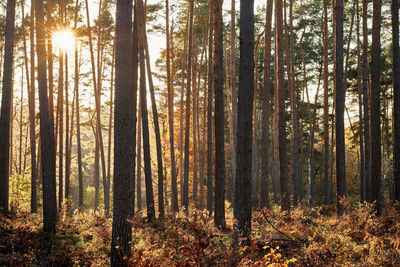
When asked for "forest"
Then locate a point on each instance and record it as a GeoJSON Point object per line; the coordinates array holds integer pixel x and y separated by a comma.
{"type": "Point", "coordinates": [199, 133]}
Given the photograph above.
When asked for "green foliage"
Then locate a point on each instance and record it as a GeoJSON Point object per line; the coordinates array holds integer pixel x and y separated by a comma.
{"type": "Point", "coordinates": [20, 192]}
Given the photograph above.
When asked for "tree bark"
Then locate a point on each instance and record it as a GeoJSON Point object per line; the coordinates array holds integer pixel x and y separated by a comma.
{"type": "Point", "coordinates": [187, 122]}
{"type": "Point", "coordinates": [170, 87]}
{"type": "Point", "coordinates": [285, 198]}
{"type": "Point", "coordinates": [48, 154]}
{"type": "Point", "coordinates": [396, 96]}
{"type": "Point", "coordinates": [326, 108]}
{"type": "Point", "coordinates": [293, 106]}
{"type": "Point", "coordinates": [242, 207]}
{"type": "Point", "coordinates": [145, 120]}
{"type": "Point", "coordinates": [264, 198]}
{"type": "Point", "coordinates": [376, 153]}
{"type": "Point", "coordinates": [339, 109]}
{"type": "Point", "coordinates": [366, 109]}
{"type": "Point", "coordinates": [233, 95]}
{"type": "Point", "coordinates": [219, 217]}
{"type": "Point", "coordinates": [156, 130]}
{"type": "Point", "coordinates": [124, 128]}
{"type": "Point", "coordinates": [360, 111]}
{"type": "Point", "coordinates": [209, 108]}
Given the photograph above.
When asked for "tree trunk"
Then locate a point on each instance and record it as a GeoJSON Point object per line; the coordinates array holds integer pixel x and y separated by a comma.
{"type": "Point", "coordinates": [326, 107]}
{"type": "Point", "coordinates": [30, 79]}
{"type": "Point", "coordinates": [360, 112]}
{"type": "Point", "coordinates": [111, 117]}
{"type": "Point", "coordinates": [187, 122]}
{"type": "Point", "coordinates": [264, 198]}
{"type": "Point", "coordinates": [170, 87]}
{"type": "Point", "coordinates": [219, 217]}
{"type": "Point", "coordinates": [135, 65]}
{"type": "Point", "coordinates": [145, 121]}
{"type": "Point", "coordinates": [295, 128]}
{"type": "Point", "coordinates": [124, 128]}
{"type": "Point", "coordinates": [275, 184]}
{"type": "Point", "coordinates": [67, 145]}
{"type": "Point", "coordinates": [60, 119]}
{"type": "Point", "coordinates": [396, 96]}
{"type": "Point", "coordinates": [77, 111]}
{"type": "Point", "coordinates": [254, 163]}
{"type": "Point", "coordinates": [209, 108]}
{"type": "Point", "coordinates": [242, 207]}
{"type": "Point", "coordinates": [139, 156]}
{"type": "Point", "coordinates": [339, 108]}
{"type": "Point", "coordinates": [366, 110]}
{"type": "Point", "coordinates": [233, 95]}
{"type": "Point", "coordinates": [194, 125]}
{"type": "Point", "coordinates": [49, 24]}
{"type": "Point", "coordinates": [283, 169]}
{"type": "Point", "coordinates": [48, 154]}
{"type": "Point", "coordinates": [156, 129]}
{"type": "Point", "coordinates": [376, 163]}
{"type": "Point", "coordinates": [78, 128]}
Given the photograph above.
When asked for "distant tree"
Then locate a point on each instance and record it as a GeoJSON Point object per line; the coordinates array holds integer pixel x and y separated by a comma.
{"type": "Point", "coordinates": [295, 120]}
{"type": "Point", "coordinates": [78, 118]}
{"type": "Point", "coordinates": [170, 87]}
{"type": "Point", "coordinates": [30, 78]}
{"type": "Point", "coordinates": [242, 205]}
{"type": "Point", "coordinates": [283, 167]}
{"type": "Point", "coordinates": [264, 198]}
{"type": "Point", "coordinates": [124, 128]}
{"type": "Point", "coordinates": [5, 115]}
{"type": "Point", "coordinates": [187, 119]}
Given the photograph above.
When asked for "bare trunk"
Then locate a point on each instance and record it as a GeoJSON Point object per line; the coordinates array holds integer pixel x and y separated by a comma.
{"type": "Point", "coordinates": [242, 207]}
{"type": "Point", "coordinates": [264, 198]}
{"type": "Point", "coordinates": [145, 120]}
{"type": "Point", "coordinates": [219, 217]}
{"type": "Point", "coordinates": [170, 86]}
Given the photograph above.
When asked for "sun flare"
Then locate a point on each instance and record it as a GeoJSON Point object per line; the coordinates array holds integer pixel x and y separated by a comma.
{"type": "Point", "coordinates": [64, 40]}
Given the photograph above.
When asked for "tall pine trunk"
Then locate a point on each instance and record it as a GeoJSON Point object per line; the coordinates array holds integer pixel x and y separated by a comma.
{"type": "Point", "coordinates": [156, 129]}
{"type": "Point", "coordinates": [326, 107]}
{"type": "Point", "coordinates": [283, 169]}
{"type": "Point", "coordinates": [6, 99]}
{"type": "Point", "coordinates": [48, 153]}
{"type": "Point", "coordinates": [242, 205]}
{"type": "Point", "coordinates": [124, 128]}
{"type": "Point", "coordinates": [264, 198]}
{"type": "Point", "coordinates": [219, 217]}
{"type": "Point", "coordinates": [339, 108]}
{"type": "Point", "coordinates": [187, 121]}
{"type": "Point", "coordinates": [234, 98]}
{"type": "Point", "coordinates": [209, 108]}
{"type": "Point", "coordinates": [376, 153]}
{"type": "Point", "coordinates": [145, 120]}
{"type": "Point", "coordinates": [170, 86]}
{"type": "Point", "coordinates": [396, 96]}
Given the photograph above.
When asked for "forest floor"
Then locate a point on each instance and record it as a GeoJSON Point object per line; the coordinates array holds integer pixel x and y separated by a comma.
{"type": "Point", "coordinates": [313, 237]}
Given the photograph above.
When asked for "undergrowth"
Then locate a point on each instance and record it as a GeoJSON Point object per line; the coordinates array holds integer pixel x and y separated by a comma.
{"type": "Point", "coordinates": [313, 237]}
